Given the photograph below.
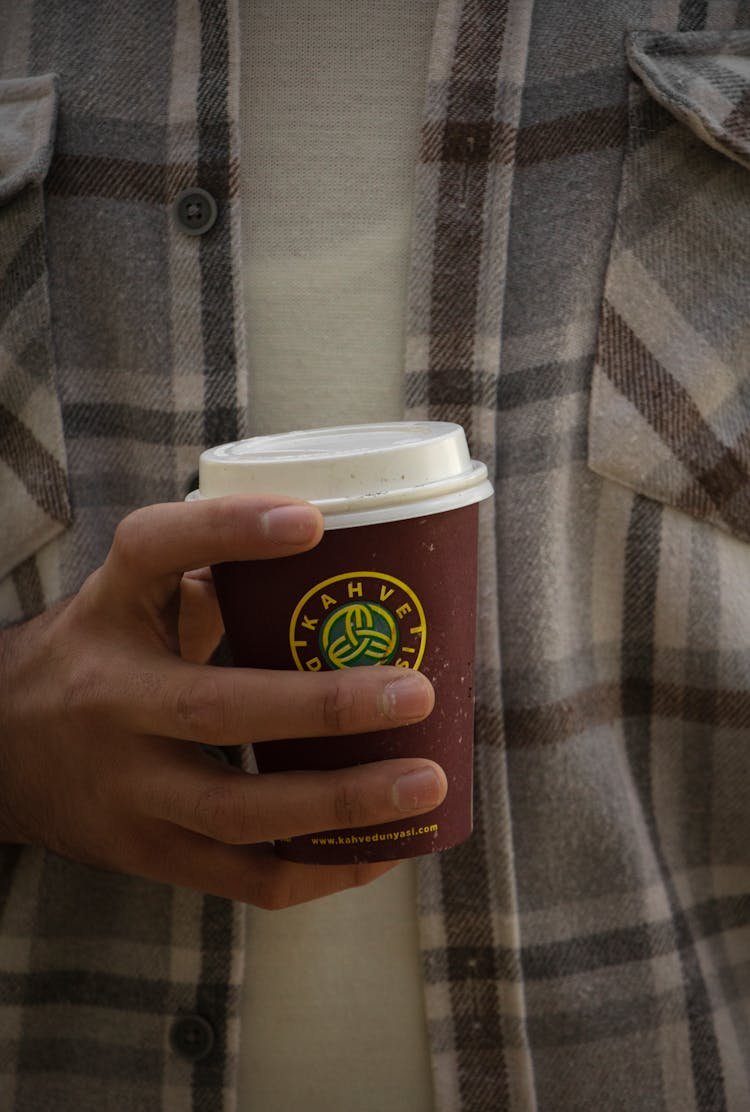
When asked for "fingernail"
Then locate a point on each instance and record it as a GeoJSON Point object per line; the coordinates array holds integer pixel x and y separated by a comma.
{"type": "Point", "coordinates": [290, 524]}
{"type": "Point", "coordinates": [410, 696]}
{"type": "Point", "coordinates": [418, 790]}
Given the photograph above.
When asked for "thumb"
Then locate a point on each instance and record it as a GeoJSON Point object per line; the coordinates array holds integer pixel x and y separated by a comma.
{"type": "Point", "coordinates": [153, 547]}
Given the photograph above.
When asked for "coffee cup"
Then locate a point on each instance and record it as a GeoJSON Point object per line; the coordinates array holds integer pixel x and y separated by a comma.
{"type": "Point", "coordinates": [392, 582]}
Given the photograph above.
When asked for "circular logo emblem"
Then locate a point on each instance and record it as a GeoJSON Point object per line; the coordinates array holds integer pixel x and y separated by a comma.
{"type": "Point", "coordinates": [359, 633]}
{"type": "Point", "coordinates": [357, 619]}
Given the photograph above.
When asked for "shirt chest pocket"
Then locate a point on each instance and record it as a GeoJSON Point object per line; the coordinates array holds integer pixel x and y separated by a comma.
{"type": "Point", "coordinates": [33, 476]}
{"type": "Point", "coordinates": [670, 403]}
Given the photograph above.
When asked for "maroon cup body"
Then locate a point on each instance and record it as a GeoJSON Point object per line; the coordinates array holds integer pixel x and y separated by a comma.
{"type": "Point", "coordinates": [400, 593]}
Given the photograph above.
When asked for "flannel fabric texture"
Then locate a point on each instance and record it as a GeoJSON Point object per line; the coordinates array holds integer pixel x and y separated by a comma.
{"type": "Point", "coordinates": [579, 302]}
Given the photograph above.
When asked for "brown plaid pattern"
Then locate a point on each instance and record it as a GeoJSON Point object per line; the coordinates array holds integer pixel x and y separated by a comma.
{"type": "Point", "coordinates": [577, 256]}
{"type": "Point", "coordinates": [588, 949]}
{"type": "Point", "coordinates": [148, 366]}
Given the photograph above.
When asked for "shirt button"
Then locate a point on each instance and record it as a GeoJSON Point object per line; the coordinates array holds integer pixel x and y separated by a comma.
{"type": "Point", "coordinates": [192, 1037]}
{"type": "Point", "coordinates": [195, 211]}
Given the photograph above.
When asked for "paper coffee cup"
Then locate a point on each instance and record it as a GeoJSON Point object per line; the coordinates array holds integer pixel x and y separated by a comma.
{"type": "Point", "coordinates": [393, 581]}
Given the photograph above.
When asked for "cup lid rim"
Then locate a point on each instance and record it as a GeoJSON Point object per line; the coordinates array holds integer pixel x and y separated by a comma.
{"type": "Point", "coordinates": [380, 437]}
{"type": "Point", "coordinates": [364, 471]}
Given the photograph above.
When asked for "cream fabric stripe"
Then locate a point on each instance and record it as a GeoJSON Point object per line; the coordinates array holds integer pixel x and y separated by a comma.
{"type": "Point", "coordinates": [333, 97]}
{"type": "Point", "coordinates": [326, 220]}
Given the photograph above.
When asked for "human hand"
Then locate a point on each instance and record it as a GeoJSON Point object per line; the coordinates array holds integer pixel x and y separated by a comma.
{"type": "Point", "coordinates": [106, 696]}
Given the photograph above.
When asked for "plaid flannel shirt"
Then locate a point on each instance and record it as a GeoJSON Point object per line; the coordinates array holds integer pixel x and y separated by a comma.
{"type": "Point", "coordinates": [579, 302]}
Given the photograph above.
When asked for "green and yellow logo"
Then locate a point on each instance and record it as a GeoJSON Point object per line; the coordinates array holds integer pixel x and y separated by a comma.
{"type": "Point", "coordinates": [356, 619]}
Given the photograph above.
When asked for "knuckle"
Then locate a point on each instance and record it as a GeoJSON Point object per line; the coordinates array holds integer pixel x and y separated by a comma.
{"type": "Point", "coordinates": [349, 805]}
{"type": "Point", "coordinates": [215, 810]}
{"type": "Point", "coordinates": [126, 541]}
{"type": "Point", "coordinates": [228, 525]}
{"type": "Point", "coordinates": [167, 802]}
{"type": "Point", "coordinates": [227, 815]}
{"type": "Point", "coordinates": [85, 685]}
{"type": "Point", "coordinates": [338, 707]}
{"type": "Point", "coordinates": [201, 711]}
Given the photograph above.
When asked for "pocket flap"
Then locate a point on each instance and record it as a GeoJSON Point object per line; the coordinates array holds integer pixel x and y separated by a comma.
{"type": "Point", "coordinates": [28, 112]}
{"type": "Point", "coordinates": [670, 400]}
{"type": "Point", "coordinates": [703, 78]}
{"type": "Point", "coordinates": [33, 474]}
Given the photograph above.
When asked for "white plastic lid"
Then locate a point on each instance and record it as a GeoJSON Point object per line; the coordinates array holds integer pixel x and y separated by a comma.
{"type": "Point", "coordinates": [354, 474]}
